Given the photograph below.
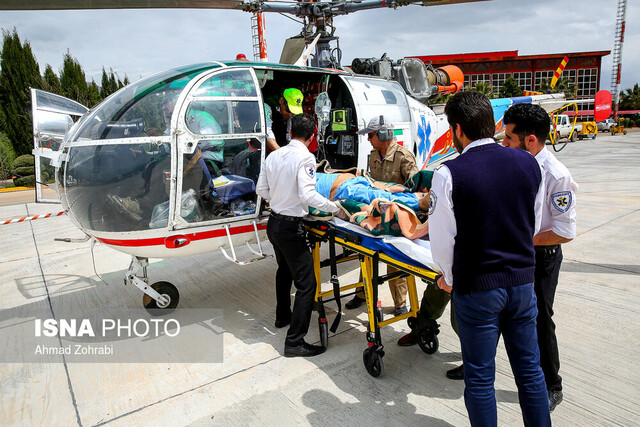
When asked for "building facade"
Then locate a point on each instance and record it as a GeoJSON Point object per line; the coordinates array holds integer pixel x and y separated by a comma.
{"type": "Point", "coordinates": [493, 68]}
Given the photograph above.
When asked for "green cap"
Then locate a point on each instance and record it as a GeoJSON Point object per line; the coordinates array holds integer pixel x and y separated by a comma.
{"type": "Point", "coordinates": [294, 100]}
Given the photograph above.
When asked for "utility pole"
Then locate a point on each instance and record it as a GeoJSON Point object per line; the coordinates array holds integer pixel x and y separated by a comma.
{"type": "Point", "coordinates": [616, 68]}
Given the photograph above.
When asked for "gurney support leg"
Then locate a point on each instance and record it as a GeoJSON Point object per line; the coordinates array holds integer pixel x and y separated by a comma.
{"type": "Point", "coordinates": [373, 354]}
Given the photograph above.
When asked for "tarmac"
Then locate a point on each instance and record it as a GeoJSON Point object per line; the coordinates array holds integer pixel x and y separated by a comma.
{"type": "Point", "coordinates": [597, 311]}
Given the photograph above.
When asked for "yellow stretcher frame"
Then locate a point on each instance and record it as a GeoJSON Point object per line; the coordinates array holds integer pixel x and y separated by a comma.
{"type": "Point", "coordinates": [371, 279]}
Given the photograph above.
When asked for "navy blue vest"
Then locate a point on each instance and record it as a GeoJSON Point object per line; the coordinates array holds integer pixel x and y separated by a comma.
{"type": "Point", "coordinates": [494, 192]}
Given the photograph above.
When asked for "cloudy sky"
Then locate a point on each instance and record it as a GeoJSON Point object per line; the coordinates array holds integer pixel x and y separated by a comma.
{"type": "Point", "coordinates": [137, 43]}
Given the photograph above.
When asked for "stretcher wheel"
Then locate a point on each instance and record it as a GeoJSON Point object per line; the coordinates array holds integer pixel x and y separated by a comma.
{"type": "Point", "coordinates": [412, 322]}
{"type": "Point", "coordinates": [373, 362]}
{"type": "Point", "coordinates": [428, 342]}
{"type": "Point", "coordinates": [167, 290]}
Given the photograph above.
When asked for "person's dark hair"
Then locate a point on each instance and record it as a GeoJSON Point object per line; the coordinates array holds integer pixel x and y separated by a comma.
{"type": "Point", "coordinates": [286, 104]}
{"type": "Point", "coordinates": [473, 112]}
{"type": "Point", "coordinates": [302, 126]}
{"type": "Point", "coordinates": [529, 119]}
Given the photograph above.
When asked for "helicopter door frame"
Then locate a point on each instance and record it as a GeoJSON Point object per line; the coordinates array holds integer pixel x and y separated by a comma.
{"type": "Point", "coordinates": [187, 141]}
{"type": "Point", "coordinates": [374, 96]}
{"type": "Point", "coordinates": [52, 118]}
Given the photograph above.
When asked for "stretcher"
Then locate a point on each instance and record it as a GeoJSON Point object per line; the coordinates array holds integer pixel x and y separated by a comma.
{"type": "Point", "coordinates": [370, 252]}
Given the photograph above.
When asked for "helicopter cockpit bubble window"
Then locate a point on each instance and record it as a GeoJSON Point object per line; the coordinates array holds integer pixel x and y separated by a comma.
{"type": "Point", "coordinates": [115, 187]}
{"type": "Point", "coordinates": [221, 183]}
{"type": "Point", "coordinates": [223, 117]}
{"type": "Point", "coordinates": [137, 109]}
{"type": "Point", "coordinates": [235, 83]}
{"type": "Point", "coordinates": [221, 150]}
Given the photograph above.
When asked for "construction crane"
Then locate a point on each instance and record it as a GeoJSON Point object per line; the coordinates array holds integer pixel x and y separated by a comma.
{"type": "Point", "coordinates": [616, 68]}
{"type": "Point", "coordinates": [258, 37]}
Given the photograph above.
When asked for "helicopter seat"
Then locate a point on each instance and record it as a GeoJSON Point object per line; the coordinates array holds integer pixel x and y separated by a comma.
{"type": "Point", "coordinates": [230, 187]}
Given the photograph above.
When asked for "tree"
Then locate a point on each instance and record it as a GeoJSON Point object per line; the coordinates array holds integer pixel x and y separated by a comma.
{"type": "Point", "coordinates": [93, 94]}
{"type": "Point", "coordinates": [565, 85]}
{"type": "Point", "coordinates": [51, 83]}
{"type": "Point", "coordinates": [110, 83]}
{"type": "Point", "coordinates": [630, 98]}
{"type": "Point", "coordinates": [73, 81]}
{"type": "Point", "coordinates": [510, 88]}
{"type": "Point", "coordinates": [442, 99]}
{"type": "Point", "coordinates": [7, 156]}
{"type": "Point", "coordinates": [484, 88]}
{"type": "Point", "coordinates": [18, 72]}
{"type": "Point", "coordinates": [106, 87]}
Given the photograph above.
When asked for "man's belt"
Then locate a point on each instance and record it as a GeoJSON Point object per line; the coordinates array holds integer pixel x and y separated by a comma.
{"type": "Point", "coordinates": [286, 217]}
{"type": "Point", "coordinates": [547, 250]}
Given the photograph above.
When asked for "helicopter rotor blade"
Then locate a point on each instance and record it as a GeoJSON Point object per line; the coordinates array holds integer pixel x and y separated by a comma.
{"type": "Point", "coordinates": [118, 4]}
{"type": "Point", "coordinates": [301, 8]}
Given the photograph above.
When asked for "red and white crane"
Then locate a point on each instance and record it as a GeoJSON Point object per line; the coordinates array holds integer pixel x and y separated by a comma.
{"type": "Point", "coordinates": [616, 68]}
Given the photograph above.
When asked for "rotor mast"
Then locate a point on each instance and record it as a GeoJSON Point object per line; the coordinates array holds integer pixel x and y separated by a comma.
{"type": "Point", "coordinates": [318, 20]}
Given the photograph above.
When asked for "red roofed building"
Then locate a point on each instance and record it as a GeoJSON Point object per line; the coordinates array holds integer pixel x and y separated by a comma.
{"type": "Point", "coordinates": [583, 69]}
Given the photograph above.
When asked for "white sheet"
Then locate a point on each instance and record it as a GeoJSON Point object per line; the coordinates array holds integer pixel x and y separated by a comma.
{"type": "Point", "coordinates": [418, 249]}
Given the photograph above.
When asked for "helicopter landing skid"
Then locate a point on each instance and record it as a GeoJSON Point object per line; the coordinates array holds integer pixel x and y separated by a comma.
{"type": "Point", "coordinates": [233, 258]}
{"type": "Point", "coordinates": [159, 296]}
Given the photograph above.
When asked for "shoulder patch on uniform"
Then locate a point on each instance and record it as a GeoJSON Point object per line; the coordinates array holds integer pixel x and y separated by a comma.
{"type": "Point", "coordinates": [310, 169]}
{"type": "Point", "coordinates": [562, 200]}
{"type": "Point", "coordinates": [433, 199]}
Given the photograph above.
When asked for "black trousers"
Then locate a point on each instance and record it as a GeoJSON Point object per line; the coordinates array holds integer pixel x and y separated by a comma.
{"type": "Point", "coordinates": [434, 302]}
{"type": "Point", "coordinates": [548, 260]}
{"type": "Point", "coordinates": [295, 264]}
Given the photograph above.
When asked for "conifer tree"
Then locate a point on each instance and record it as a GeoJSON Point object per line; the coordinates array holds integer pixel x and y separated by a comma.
{"type": "Point", "coordinates": [104, 84]}
{"type": "Point", "coordinates": [51, 83]}
{"type": "Point", "coordinates": [93, 94]}
{"type": "Point", "coordinates": [18, 72]}
{"type": "Point", "coordinates": [73, 81]}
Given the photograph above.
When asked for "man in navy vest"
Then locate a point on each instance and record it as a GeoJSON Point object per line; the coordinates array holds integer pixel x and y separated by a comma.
{"type": "Point", "coordinates": [484, 210]}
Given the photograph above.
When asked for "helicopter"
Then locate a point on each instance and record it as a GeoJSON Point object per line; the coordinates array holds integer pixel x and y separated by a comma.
{"type": "Point", "coordinates": [155, 183]}
{"type": "Point", "coordinates": [167, 165]}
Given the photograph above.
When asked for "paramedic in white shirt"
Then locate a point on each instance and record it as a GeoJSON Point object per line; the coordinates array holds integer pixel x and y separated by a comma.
{"type": "Point", "coordinates": [288, 182]}
{"type": "Point", "coordinates": [527, 127]}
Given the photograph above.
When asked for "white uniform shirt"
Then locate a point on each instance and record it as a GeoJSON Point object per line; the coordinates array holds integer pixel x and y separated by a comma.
{"type": "Point", "coordinates": [442, 222]}
{"type": "Point", "coordinates": [288, 182]}
{"type": "Point", "coordinates": [559, 213]}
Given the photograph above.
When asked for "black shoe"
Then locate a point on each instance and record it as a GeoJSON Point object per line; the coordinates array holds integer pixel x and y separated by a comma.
{"type": "Point", "coordinates": [408, 340]}
{"type": "Point", "coordinates": [282, 323]}
{"type": "Point", "coordinates": [354, 303]}
{"type": "Point", "coordinates": [456, 373]}
{"type": "Point", "coordinates": [401, 310]}
{"type": "Point", "coordinates": [303, 350]}
{"type": "Point", "coordinates": [555, 397]}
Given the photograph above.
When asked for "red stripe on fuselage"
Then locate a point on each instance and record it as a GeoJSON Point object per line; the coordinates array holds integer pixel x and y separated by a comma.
{"type": "Point", "coordinates": [157, 241]}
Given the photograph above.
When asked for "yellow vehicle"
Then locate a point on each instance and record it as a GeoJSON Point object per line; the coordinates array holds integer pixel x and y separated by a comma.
{"type": "Point", "coordinates": [618, 128]}
{"type": "Point", "coordinates": [587, 130]}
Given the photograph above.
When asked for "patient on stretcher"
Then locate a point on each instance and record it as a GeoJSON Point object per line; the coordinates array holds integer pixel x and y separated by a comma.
{"type": "Point", "coordinates": [381, 208]}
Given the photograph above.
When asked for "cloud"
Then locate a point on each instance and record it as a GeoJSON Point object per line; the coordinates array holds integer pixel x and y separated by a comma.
{"type": "Point", "coordinates": [140, 42]}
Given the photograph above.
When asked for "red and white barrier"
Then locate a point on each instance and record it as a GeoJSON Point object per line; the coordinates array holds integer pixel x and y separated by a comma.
{"type": "Point", "coordinates": [31, 218]}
